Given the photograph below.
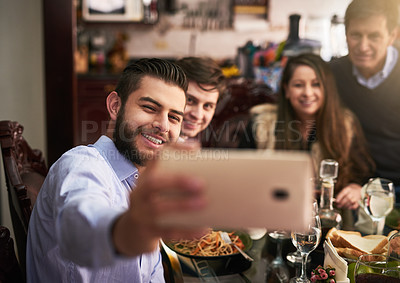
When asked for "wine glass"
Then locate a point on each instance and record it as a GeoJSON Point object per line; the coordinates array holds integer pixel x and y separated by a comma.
{"type": "Point", "coordinates": [378, 200]}
{"type": "Point", "coordinates": [295, 258]}
{"type": "Point", "coordinates": [277, 270]}
{"type": "Point", "coordinates": [306, 241]}
{"type": "Point", "coordinates": [372, 268]}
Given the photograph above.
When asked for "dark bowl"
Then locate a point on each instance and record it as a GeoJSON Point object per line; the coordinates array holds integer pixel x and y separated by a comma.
{"type": "Point", "coordinates": [220, 265]}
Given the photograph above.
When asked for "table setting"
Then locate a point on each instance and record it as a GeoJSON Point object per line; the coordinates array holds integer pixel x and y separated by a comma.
{"type": "Point", "coordinates": [265, 251]}
{"type": "Point", "coordinates": [316, 251]}
{"type": "Point", "coordinates": [268, 250]}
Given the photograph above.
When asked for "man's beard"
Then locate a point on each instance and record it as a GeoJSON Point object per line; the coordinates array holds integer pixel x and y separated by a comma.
{"type": "Point", "coordinates": [125, 140]}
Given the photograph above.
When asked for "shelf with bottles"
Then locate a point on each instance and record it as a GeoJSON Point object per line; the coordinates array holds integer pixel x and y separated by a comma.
{"type": "Point", "coordinates": [101, 51]}
{"type": "Point", "coordinates": [263, 63]}
{"type": "Point", "coordinates": [269, 60]}
{"type": "Point", "coordinates": [206, 15]}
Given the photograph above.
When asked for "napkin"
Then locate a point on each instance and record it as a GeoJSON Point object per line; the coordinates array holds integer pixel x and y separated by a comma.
{"type": "Point", "coordinates": [333, 259]}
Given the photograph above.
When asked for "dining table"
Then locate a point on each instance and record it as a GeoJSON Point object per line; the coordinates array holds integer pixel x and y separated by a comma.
{"type": "Point", "coordinates": [263, 251]}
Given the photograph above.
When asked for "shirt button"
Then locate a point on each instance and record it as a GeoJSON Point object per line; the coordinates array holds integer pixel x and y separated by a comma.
{"type": "Point", "coordinates": [136, 176]}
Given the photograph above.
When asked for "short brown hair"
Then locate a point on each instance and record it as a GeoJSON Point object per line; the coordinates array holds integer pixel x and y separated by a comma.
{"type": "Point", "coordinates": [368, 8]}
{"type": "Point", "coordinates": [204, 71]}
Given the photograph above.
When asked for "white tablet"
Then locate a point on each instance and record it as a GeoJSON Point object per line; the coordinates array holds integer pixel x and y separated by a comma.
{"type": "Point", "coordinates": [246, 188]}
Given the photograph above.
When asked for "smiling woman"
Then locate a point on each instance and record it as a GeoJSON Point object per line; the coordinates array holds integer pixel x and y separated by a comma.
{"type": "Point", "coordinates": [309, 117]}
{"type": "Point", "coordinates": [305, 93]}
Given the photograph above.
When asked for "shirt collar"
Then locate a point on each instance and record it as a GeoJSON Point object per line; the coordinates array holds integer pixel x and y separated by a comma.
{"type": "Point", "coordinates": [391, 60]}
{"type": "Point", "coordinates": [378, 78]}
{"type": "Point", "coordinates": [122, 166]}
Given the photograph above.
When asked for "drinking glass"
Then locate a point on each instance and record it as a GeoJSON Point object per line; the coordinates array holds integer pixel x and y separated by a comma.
{"type": "Point", "coordinates": [277, 270]}
{"type": "Point", "coordinates": [295, 258]}
{"type": "Point", "coordinates": [372, 268]}
{"type": "Point", "coordinates": [305, 242]}
{"type": "Point", "coordinates": [378, 200]}
{"type": "Point", "coordinates": [394, 246]}
{"type": "Point", "coordinates": [329, 216]}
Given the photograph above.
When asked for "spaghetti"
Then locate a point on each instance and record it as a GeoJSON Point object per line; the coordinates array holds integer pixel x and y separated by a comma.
{"type": "Point", "coordinates": [210, 244]}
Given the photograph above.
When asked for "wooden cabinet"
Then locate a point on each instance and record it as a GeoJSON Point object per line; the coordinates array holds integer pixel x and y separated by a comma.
{"type": "Point", "coordinates": [91, 116]}
{"type": "Point", "coordinates": [65, 108]}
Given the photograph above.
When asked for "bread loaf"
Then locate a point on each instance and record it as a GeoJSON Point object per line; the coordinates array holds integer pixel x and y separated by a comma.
{"type": "Point", "coordinates": [351, 244]}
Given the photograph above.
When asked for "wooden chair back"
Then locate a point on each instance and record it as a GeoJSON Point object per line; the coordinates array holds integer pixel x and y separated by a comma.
{"type": "Point", "coordinates": [10, 271]}
{"type": "Point", "coordinates": [25, 171]}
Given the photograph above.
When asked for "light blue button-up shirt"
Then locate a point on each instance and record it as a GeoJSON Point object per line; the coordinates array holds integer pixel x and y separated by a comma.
{"type": "Point", "coordinates": [69, 237]}
{"type": "Point", "coordinates": [378, 78]}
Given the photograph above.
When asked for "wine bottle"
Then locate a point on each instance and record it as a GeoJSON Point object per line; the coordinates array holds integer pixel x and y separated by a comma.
{"type": "Point", "coordinates": [295, 45]}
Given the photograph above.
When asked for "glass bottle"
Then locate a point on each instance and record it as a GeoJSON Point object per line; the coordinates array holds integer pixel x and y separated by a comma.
{"type": "Point", "coordinates": [328, 215]}
{"type": "Point", "coordinates": [294, 44]}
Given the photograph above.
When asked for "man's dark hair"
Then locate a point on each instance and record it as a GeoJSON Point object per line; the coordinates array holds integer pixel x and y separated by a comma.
{"type": "Point", "coordinates": [368, 8]}
{"type": "Point", "coordinates": [154, 67]}
{"type": "Point", "coordinates": [205, 72]}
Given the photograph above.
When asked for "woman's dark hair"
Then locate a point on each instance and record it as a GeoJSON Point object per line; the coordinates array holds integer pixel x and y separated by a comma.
{"type": "Point", "coordinates": [157, 68]}
{"type": "Point", "coordinates": [329, 119]}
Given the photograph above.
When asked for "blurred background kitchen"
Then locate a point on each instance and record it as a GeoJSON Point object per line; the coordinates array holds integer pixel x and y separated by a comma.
{"type": "Point", "coordinates": [56, 59]}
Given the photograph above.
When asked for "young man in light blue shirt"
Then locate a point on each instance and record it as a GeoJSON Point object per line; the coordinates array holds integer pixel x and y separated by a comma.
{"type": "Point", "coordinates": [94, 219]}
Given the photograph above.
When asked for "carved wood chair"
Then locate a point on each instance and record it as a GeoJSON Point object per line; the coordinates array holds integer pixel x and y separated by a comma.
{"type": "Point", "coordinates": [10, 271]}
{"type": "Point", "coordinates": [25, 171]}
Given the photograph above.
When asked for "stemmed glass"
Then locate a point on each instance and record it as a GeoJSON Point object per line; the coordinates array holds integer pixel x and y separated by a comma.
{"type": "Point", "coordinates": [378, 200]}
{"type": "Point", "coordinates": [306, 241]}
{"type": "Point", "coordinates": [372, 268]}
{"type": "Point", "coordinates": [277, 270]}
{"type": "Point", "coordinates": [295, 257]}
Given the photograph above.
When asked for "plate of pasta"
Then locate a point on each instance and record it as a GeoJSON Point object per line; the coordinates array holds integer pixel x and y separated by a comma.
{"type": "Point", "coordinates": [211, 245]}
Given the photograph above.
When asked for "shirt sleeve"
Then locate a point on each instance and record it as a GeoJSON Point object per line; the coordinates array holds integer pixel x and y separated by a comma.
{"type": "Point", "coordinates": [88, 201]}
